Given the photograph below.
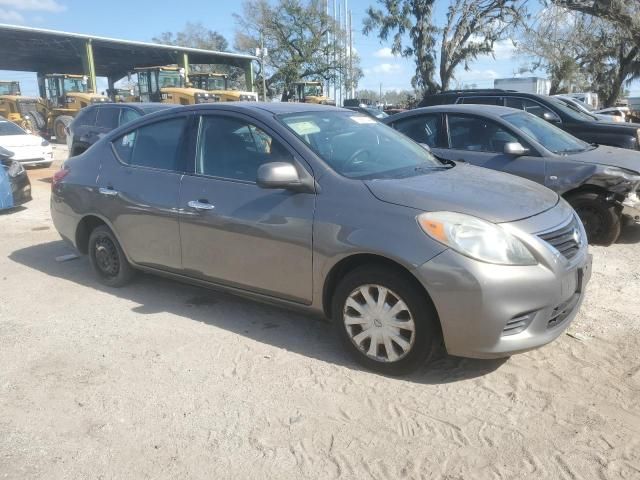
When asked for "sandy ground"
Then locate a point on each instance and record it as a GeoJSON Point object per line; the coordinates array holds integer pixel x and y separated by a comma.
{"type": "Point", "coordinates": [163, 380]}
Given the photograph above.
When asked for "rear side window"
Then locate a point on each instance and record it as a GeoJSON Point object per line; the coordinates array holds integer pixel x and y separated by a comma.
{"type": "Point", "coordinates": [108, 117]}
{"type": "Point", "coordinates": [155, 145]}
{"type": "Point", "coordinates": [128, 115]}
{"type": "Point", "coordinates": [482, 100]}
{"type": "Point", "coordinates": [477, 134]}
{"type": "Point", "coordinates": [86, 117]}
{"type": "Point", "coordinates": [425, 129]}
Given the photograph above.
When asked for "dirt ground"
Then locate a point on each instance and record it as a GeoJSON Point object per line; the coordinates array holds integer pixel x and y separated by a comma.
{"type": "Point", "coordinates": [163, 380]}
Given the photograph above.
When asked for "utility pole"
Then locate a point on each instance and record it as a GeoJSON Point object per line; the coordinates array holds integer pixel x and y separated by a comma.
{"type": "Point", "coordinates": [335, 97]}
{"type": "Point", "coordinates": [262, 55]}
{"type": "Point", "coordinates": [351, 82]}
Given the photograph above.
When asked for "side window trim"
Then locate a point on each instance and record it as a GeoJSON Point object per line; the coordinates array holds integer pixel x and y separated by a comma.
{"type": "Point", "coordinates": [190, 170]}
{"type": "Point", "coordinates": [183, 145]}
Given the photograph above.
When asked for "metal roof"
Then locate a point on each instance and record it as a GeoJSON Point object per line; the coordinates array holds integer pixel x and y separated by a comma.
{"type": "Point", "coordinates": [50, 51]}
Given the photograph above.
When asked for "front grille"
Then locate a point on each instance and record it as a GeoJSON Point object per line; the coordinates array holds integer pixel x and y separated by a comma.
{"type": "Point", "coordinates": [566, 239]}
{"type": "Point", "coordinates": [27, 106]}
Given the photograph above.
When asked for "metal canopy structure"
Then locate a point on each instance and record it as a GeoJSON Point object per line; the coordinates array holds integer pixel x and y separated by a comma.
{"type": "Point", "coordinates": [50, 51]}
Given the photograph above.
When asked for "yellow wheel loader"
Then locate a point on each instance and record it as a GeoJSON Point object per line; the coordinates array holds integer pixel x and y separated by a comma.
{"type": "Point", "coordinates": [28, 112]}
{"type": "Point", "coordinates": [167, 85]}
{"type": "Point", "coordinates": [311, 92]}
{"type": "Point", "coordinates": [218, 85]}
{"type": "Point", "coordinates": [65, 96]}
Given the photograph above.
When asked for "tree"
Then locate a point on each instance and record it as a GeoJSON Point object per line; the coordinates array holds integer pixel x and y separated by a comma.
{"type": "Point", "coordinates": [303, 43]}
{"type": "Point", "coordinates": [471, 29]}
{"type": "Point", "coordinates": [194, 35]}
{"type": "Point", "coordinates": [554, 40]}
{"type": "Point", "coordinates": [614, 57]}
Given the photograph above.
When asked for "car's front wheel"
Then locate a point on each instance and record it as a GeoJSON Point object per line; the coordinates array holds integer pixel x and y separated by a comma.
{"type": "Point", "coordinates": [385, 320]}
{"type": "Point", "coordinates": [601, 219]}
{"type": "Point", "coordinates": [108, 259]}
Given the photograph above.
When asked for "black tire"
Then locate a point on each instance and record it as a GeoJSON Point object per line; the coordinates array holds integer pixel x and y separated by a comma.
{"type": "Point", "coordinates": [38, 121]}
{"type": "Point", "coordinates": [107, 258]}
{"type": "Point", "coordinates": [602, 220]}
{"type": "Point", "coordinates": [59, 126]}
{"type": "Point", "coordinates": [425, 317]}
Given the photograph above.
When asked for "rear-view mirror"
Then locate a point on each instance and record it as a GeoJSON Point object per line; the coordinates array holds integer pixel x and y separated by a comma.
{"type": "Point", "coordinates": [278, 175]}
{"type": "Point", "coordinates": [515, 149]}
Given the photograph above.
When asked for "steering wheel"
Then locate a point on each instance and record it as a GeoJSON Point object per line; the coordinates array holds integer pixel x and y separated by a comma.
{"type": "Point", "coordinates": [354, 156]}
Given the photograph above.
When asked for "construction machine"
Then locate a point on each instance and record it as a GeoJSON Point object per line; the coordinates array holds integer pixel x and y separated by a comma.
{"type": "Point", "coordinates": [218, 85]}
{"type": "Point", "coordinates": [28, 112]}
{"type": "Point", "coordinates": [167, 85]}
{"type": "Point", "coordinates": [65, 95]}
{"type": "Point", "coordinates": [311, 92]}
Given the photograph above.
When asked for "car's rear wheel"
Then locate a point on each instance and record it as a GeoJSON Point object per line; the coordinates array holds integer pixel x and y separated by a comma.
{"type": "Point", "coordinates": [601, 219]}
{"type": "Point", "coordinates": [107, 258]}
{"type": "Point", "coordinates": [384, 319]}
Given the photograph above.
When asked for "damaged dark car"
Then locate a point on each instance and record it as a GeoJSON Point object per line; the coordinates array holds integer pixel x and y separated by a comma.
{"type": "Point", "coordinates": [15, 188]}
{"type": "Point", "coordinates": [600, 182]}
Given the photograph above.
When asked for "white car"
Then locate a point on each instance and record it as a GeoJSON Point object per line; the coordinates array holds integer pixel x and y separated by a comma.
{"type": "Point", "coordinates": [580, 106]}
{"type": "Point", "coordinates": [28, 149]}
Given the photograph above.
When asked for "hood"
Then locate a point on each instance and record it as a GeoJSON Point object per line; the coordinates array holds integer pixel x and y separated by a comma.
{"type": "Point", "coordinates": [494, 196]}
{"type": "Point", "coordinates": [12, 141]}
{"type": "Point", "coordinates": [610, 156]}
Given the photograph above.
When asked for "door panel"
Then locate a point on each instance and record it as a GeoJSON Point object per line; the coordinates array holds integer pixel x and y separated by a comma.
{"type": "Point", "coordinates": [253, 238]}
{"type": "Point", "coordinates": [139, 192]}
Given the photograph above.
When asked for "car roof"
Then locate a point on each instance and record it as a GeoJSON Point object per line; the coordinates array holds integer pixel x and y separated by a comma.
{"type": "Point", "coordinates": [484, 110]}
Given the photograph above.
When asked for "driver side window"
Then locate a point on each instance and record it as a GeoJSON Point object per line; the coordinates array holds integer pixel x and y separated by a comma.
{"type": "Point", "coordinates": [477, 134]}
{"type": "Point", "coordinates": [233, 149]}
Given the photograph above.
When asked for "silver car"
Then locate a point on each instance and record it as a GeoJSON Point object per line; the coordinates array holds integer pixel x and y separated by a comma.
{"type": "Point", "coordinates": [332, 212]}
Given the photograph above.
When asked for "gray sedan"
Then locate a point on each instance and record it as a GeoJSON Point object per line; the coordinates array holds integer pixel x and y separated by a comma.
{"type": "Point", "coordinates": [332, 212]}
{"type": "Point", "coordinates": [600, 182]}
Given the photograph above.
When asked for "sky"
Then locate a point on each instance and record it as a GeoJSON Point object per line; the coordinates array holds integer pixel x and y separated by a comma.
{"type": "Point", "coordinates": [142, 20]}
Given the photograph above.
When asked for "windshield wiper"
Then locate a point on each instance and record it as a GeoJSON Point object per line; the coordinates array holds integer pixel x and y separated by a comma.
{"type": "Point", "coordinates": [571, 150]}
{"type": "Point", "coordinates": [430, 168]}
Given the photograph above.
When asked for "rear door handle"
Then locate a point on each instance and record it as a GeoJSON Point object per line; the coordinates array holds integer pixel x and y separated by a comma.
{"type": "Point", "coordinates": [200, 205]}
{"type": "Point", "coordinates": [110, 192]}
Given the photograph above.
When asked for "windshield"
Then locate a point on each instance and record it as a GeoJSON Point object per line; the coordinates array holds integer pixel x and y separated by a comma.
{"type": "Point", "coordinates": [217, 83]}
{"type": "Point", "coordinates": [74, 85]}
{"type": "Point", "coordinates": [572, 112]}
{"type": "Point", "coordinates": [169, 79]}
{"type": "Point", "coordinates": [357, 146]}
{"type": "Point", "coordinates": [312, 91]}
{"type": "Point", "coordinates": [550, 137]}
{"type": "Point", "coordinates": [9, 128]}
{"type": "Point", "coordinates": [9, 88]}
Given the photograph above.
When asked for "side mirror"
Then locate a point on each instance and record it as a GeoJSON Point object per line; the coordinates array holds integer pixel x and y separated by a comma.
{"type": "Point", "coordinates": [278, 175]}
{"type": "Point", "coordinates": [515, 148]}
{"type": "Point", "coordinates": [426, 147]}
{"type": "Point", "coordinates": [551, 117]}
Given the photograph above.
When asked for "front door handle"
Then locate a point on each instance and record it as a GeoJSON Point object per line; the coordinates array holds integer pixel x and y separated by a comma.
{"type": "Point", "coordinates": [110, 192]}
{"type": "Point", "coordinates": [199, 205]}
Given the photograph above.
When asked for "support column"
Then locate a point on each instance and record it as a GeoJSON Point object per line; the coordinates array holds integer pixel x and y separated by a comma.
{"type": "Point", "coordinates": [183, 61]}
{"type": "Point", "coordinates": [248, 75]}
{"type": "Point", "coordinates": [42, 89]}
{"type": "Point", "coordinates": [89, 67]}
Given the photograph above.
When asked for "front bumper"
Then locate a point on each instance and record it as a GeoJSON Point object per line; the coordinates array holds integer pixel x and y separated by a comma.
{"type": "Point", "coordinates": [492, 311]}
{"type": "Point", "coordinates": [631, 207]}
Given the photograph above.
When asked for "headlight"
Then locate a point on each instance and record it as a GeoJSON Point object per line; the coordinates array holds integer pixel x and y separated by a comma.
{"type": "Point", "coordinates": [70, 100]}
{"type": "Point", "coordinates": [475, 238]}
{"type": "Point", "coordinates": [15, 169]}
{"type": "Point", "coordinates": [44, 143]}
